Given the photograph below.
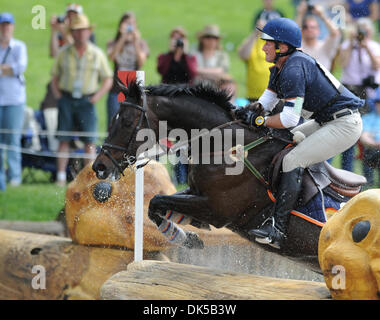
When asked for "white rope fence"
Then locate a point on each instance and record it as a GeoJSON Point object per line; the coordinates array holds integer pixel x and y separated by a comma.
{"type": "Point", "coordinates": [49, 154]}
{"type": "Point", "coordinates": [45, 133]}
{"type": "Point", "coordinates": [56, 133]}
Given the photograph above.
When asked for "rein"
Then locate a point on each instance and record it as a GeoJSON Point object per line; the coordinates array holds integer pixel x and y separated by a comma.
{"type": "Point", "coordinates": [241, 152]}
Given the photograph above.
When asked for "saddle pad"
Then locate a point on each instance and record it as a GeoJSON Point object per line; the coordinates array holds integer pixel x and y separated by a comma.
{"type": "Point", "coordinates": [314, 209]}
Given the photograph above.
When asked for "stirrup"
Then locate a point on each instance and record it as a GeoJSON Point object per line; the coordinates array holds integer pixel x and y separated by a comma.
{"type": "Point", "coordinates": [275, 239]}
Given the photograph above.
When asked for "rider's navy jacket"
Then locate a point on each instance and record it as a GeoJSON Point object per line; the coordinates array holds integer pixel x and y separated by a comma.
{"type": "Point", "coordinates": [301, 76]}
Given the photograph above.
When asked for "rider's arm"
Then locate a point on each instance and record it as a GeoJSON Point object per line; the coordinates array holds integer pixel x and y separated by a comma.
{"type": "Point", "coordinates": [268, 99]}
{"type": "Point", "coordinates": [289, 117]}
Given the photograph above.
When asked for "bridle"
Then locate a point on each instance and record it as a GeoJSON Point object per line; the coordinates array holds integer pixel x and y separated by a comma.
{"type": "Point", "coordinates": [127, 158]}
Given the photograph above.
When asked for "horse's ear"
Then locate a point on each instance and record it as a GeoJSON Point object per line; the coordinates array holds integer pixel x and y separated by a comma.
{"type": "Point", "coordinates": [120, 85]}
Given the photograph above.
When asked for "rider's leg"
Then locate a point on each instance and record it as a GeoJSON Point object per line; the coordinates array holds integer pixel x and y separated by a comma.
{"type": "Point", "coordinates": [274, 232]}
{"type": "Point", "coordinates": [320, 145]}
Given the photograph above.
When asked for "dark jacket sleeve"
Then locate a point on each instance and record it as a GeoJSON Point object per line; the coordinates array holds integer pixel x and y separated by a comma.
{"type": "Point", "coordinates": [192, 66]}
{"type": "Point", "coordinates": [163, 63]}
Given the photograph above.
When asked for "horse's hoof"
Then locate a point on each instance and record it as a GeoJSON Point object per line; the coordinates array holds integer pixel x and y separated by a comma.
{"type": "Point", "coordinates": [193, 241]}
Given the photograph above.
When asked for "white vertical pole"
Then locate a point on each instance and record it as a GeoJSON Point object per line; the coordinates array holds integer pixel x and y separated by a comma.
{"type": "Point", "coordinates": [139, 197]}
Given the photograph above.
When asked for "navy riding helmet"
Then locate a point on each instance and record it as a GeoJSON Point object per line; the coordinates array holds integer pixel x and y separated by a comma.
{"type": "Point", "coordinates": [282, 30]}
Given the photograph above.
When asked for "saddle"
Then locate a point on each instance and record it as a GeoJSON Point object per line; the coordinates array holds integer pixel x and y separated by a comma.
{"type": "Point", "coordinates": [340, 184]}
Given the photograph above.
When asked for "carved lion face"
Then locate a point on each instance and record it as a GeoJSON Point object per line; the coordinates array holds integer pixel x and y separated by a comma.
{"type": "Point", "coordinates": [100, 212]}
{"type": "Point", "coordinates": [349, 249]}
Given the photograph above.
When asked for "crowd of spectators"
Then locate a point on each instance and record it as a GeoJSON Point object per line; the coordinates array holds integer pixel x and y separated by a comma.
{"type": "Point", "coordinates": [81, 74]}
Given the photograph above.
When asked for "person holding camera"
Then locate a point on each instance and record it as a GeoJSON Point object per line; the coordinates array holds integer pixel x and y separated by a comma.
{"type": "Point", "coordinates": [324, 50]}
{"type": "Point", "coordinates": [60, 28]}
{"type": "Point", "coordinates": [128, 51]}
{"type": "Point", "coordinates": [360, 60]}
{"type": "Point", "coordinates": [177, 66]}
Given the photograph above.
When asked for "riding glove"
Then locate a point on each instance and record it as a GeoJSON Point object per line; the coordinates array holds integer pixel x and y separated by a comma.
{"type": "Point", "coordinates": [249, 117]}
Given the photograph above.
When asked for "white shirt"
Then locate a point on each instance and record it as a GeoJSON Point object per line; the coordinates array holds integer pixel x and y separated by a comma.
{"type": "Point", "coordinates": [324, 51]}
{"type": "Point", "coordinates": [359, 69]}
{"type": "Point", "coordinates": [12, 88]}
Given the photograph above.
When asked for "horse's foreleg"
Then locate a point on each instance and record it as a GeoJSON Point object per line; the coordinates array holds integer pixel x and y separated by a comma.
{"type": "Point", "coordinates": [164, 211]}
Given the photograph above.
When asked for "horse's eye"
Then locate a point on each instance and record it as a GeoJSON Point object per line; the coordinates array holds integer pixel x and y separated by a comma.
{"type": "Point", "coordinates": [360, 230]}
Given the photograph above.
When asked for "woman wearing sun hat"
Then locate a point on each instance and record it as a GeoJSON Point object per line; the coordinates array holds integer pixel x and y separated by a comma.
{"type": "Point", "coordinates": [212, 61]}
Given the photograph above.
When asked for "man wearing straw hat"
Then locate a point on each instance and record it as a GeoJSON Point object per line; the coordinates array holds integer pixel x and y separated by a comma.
{"type": "Point", "coordinates": [81, 76]}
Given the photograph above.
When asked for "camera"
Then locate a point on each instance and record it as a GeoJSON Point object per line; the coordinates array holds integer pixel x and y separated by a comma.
{"type": "Point", "coordinates": [61, 19]}
{"type": "Point", "coordinates": [362, 34]}
{"type": "Point", "coordinates": [129, 28]}
{"type": "Point", "coordinates": [179, 43]}
{"type": "Point", "coordinates": [370, 82]}
{"type": "Point", "coordinates": [310, 6]}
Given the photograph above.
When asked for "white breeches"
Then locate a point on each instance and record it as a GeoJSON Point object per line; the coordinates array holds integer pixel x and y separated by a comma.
{"type": "Point", "coordinates": [323, 142]}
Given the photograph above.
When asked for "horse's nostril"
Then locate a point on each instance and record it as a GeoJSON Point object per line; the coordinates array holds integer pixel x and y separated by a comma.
{"type": "Point", "coordinates": [100, 167]}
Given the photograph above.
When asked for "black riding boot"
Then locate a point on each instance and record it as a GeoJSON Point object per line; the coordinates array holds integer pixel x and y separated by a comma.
{"type": "Point", "coordinates": [274, 230]}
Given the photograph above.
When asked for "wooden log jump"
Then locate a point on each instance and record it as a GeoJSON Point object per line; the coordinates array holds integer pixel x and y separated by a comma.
{"type": "Point", "coordinates": [71, 271]}
{"type": "Point", "coordinates": [162, 280]}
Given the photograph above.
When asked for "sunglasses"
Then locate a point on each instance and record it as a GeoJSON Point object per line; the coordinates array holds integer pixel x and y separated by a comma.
{"type": "Point", "coordinates": [309, 27]}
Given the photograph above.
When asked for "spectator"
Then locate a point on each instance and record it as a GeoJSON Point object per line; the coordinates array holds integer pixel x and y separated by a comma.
{"type": "Point", "coordinates": [360, 61]}
{"type": "Point", "coordinates": [268, 12]}
{"type": "Point", "coordinates": [250, 51]}
{"type": "Point", "coordinates": [212, 62]}
{"type": "Point", "coordinates": [177, 66]}
{"type": "Point", "coordinates": [128, 52]}
{"type": "Point", "coordinates": [59, 36]}
{"type": "Point", "coordinates": [370, 139]}
{"type": "Point", "coordinates": [322, 50]}
{"type": "Point", "coordinates": [76, 74]}
{"type": "Point", "coordinates": [227, 83]}
{"type": "Point", "coordinates": [362, 9]}
{"type": "Point", "coordinates": [60, 28]}
{"type": "Point", "coordinates": [13, 62]}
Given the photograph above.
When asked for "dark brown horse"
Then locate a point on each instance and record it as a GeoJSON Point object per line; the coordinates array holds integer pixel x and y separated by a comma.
{"type": "Point", "coordinates": [239, 202]}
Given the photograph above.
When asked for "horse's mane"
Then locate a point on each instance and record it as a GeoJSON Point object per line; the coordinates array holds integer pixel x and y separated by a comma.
{"type": "Point", "coordinates": [203, 91]}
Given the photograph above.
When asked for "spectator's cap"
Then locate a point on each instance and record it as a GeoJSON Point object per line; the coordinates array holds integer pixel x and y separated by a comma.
{"type": "Point", "coordinates": [80, 22]}
{"type": "Point", "coordinates": [6, 17]}
{"type": "Point", "coordinates": [74, 7]}
{"type": "Point", "coordinates": [179, 30]}
{"type": "Point", "coordinates": [211, 30]}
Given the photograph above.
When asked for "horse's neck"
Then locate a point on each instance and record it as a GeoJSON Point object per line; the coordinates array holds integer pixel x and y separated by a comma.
{"type": "Point", "coordinates": [189, 115]}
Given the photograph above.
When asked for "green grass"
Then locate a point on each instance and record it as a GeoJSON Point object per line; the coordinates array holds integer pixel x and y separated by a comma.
{"type": "Point", "coordinates": [34, 202]}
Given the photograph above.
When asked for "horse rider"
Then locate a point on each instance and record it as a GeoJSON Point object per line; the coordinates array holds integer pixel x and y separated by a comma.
{"type": "Point", "coordinates": [332, 121]}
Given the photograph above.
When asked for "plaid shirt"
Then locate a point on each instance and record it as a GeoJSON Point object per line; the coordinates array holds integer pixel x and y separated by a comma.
{"type": "Point", "coordinates": [90, 69]}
